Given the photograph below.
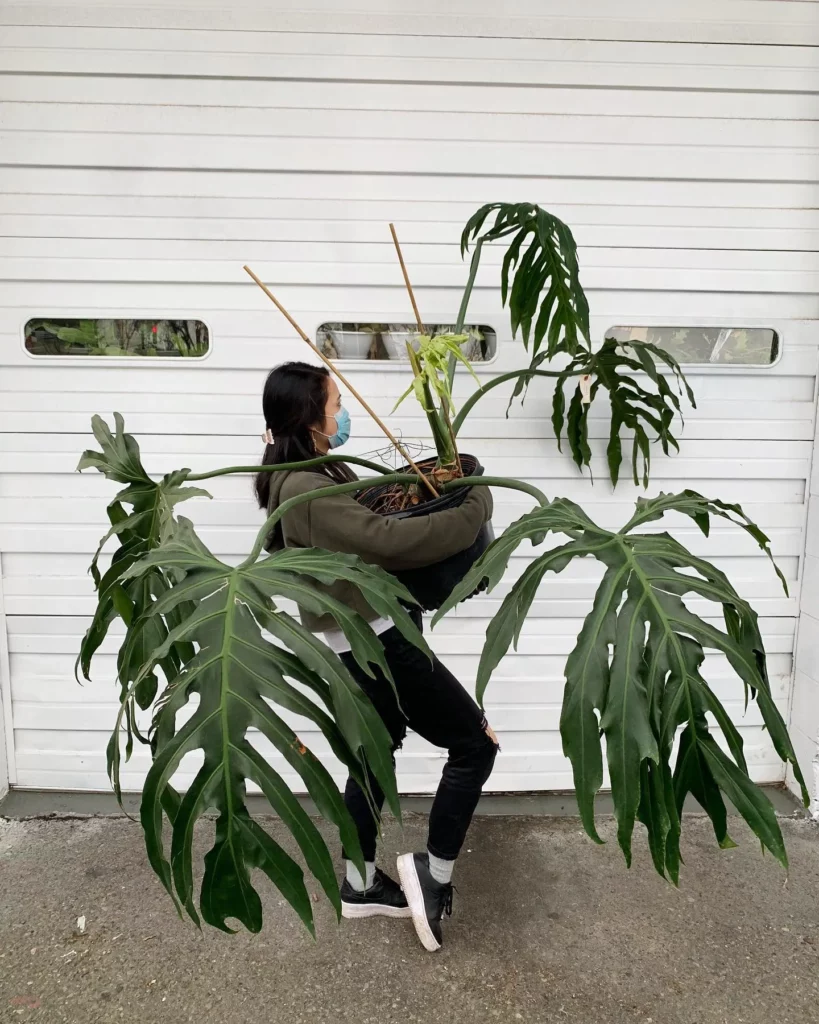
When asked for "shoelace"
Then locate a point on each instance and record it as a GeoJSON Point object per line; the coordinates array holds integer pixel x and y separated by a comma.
{"type": "Point", "coordinates": [447, 909]}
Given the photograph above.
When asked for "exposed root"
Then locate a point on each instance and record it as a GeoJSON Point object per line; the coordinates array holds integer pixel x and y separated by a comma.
{"type": "Point", "coordinates": [395, 499]}
{"type": "Point", "coordinates": [399, 497]}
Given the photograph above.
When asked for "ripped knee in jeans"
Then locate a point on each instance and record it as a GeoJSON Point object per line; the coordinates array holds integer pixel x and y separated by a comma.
{"type": "Point", "coordinates": [490, 732]}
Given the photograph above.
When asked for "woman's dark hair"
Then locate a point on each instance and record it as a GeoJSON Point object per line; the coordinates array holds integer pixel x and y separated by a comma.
{"type": "Point", "coordinates": [293, 402]}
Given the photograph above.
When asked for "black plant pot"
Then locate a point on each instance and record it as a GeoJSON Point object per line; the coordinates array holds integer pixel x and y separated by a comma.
{"type": "Point", "coordinates": [433, 584]}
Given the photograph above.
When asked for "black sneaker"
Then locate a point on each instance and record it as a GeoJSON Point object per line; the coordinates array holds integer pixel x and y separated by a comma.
{"type": "Point", "coordinates": [384, 898]}
{"type": "Point", "coordinates": [428, 900]}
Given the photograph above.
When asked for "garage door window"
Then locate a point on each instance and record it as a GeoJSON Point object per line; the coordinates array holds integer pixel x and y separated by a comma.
{"type": "Point", "coordinates": [171, 339]}
{"type": "Point", "coordinates": [389, 341]}
{"type": "Point", "coordinates": [745, 346]}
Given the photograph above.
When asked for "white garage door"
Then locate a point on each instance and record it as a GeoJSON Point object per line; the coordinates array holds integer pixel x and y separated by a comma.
{"type": "Point", "coordinates": [147, 152]}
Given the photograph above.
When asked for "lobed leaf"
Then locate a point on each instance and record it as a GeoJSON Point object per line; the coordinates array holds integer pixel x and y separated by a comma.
{"type": "Point", "coordinates": [549, 264]}
{"type": "Point", "coordinates": [635, 675]}
{"type": "Point", "coordinates": [649, 415]}
{"type": "Point", "coordinates": [239, 676]}
{"type": "Point", "coordinates": [207, 628]}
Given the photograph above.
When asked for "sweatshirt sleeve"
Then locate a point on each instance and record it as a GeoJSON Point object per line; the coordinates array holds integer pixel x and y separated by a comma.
{"type": "Point", "coordinates": [339, 523]}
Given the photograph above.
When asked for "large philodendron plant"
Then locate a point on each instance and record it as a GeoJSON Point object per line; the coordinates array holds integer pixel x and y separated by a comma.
{"type": "Point", "coordinates": [232, 657]}
{"type": "Point", "coordinates": [234, 665]}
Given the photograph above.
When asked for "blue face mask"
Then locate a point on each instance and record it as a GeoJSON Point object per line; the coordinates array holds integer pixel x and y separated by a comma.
{"type": "Point", "coordinates": [342, 434]}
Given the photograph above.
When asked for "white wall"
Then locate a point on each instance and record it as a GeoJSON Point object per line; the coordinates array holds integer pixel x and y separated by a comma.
{"type": "Point", "coordinates": [6, 733]}
{"type": "Point", "coordinates": [804, 722]}
{"type": "Point", "coordinates": [148, 151]}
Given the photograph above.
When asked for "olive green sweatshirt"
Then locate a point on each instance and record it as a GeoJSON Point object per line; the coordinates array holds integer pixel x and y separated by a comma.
{"type": "Point", "coordinates": [339, 523]}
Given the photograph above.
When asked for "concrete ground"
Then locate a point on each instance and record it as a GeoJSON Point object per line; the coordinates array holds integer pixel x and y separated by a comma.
{"type": "Point", "coordinates": [547, 927]}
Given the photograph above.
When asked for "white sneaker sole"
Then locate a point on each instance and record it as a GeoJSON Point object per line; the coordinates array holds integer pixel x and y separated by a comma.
{"type": "Point", "coordinates": [411, 885]}
{"type": "Point", "coordinates": [355, 911]}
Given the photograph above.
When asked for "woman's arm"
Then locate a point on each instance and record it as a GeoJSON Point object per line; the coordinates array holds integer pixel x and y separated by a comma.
{"type": "Point", "coordinates": [339, 523]}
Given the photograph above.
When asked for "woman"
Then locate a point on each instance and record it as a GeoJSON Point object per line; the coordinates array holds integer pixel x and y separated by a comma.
{"type": "Point", "coordinates": [305, 418]}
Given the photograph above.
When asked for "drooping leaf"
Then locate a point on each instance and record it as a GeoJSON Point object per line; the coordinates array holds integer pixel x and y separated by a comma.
{"type": "Point", "coordinates": [151, 517]}
{"type": "Point", "coordinates": [577, 430]}
{"type": "Point", "coordinates": [636, 676]}
{"type": "Point", "coordinates": [654, 812]}
{"type": "Point", "coordinates": [152, 503]}
{"type": "Point", "coordinates": [558, 410]}
{"type": "Point", "coordinates": [548, 304]}
{"type": "Point", "coordinates": [238, 677]}
{"type": "Point", "coordinates": [647, 414]}
{"type": "Point", "coordinates": [206, 627]}
{"type": "Point", "coordinates": [700, 509]}
{"type": "Point", "coordinates": [549, 264]}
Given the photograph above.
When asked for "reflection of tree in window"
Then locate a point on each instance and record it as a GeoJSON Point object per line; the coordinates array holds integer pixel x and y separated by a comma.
{"type": "Point", "coordinates": [141, 338]}
{"type": "Point", "coordinates": [741, 345]}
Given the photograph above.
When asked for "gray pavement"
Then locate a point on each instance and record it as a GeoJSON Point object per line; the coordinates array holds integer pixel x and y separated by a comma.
{"type": "Point", "coordinates": [547, 927]}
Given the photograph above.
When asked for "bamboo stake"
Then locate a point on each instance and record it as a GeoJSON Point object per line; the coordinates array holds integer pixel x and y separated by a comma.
{"type": "Point", "coordinates": [444, 403]}
{"type": "Point", "coordinates": [407, 281]}
{"type": "Point", "coordinates": [396, 443]}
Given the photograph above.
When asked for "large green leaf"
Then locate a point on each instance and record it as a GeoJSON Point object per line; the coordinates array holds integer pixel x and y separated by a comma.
{"type": "Point", "coordinates": [647, 414]}
{"type": "Point", "coordinates": [138, 532]}
{"type": "Point", "coordinates": [548, 304]}
{"type": "Point", "coordinates": [635, 674]}
{"type": "Point", "coordinates": [234, 681]}
{"type": "Point", "coordinates": [548, 264]}
{"type": "Point", "coordinates": [207, 627]}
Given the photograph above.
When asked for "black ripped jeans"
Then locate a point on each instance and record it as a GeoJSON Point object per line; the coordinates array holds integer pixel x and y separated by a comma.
{"type": "Point", "coordinates": [438, 708]}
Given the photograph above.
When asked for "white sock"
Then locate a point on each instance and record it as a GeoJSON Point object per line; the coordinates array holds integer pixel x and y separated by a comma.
{"type": "Point", "coordinates": [441, 870]}
{"type": "Point", "coordinates": [354, 876]}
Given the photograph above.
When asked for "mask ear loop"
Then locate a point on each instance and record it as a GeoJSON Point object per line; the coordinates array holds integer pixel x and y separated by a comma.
{"type": "Point", "coordinates": [313, 434]}
{"type": "Point", "coordinates": [320, 433]}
